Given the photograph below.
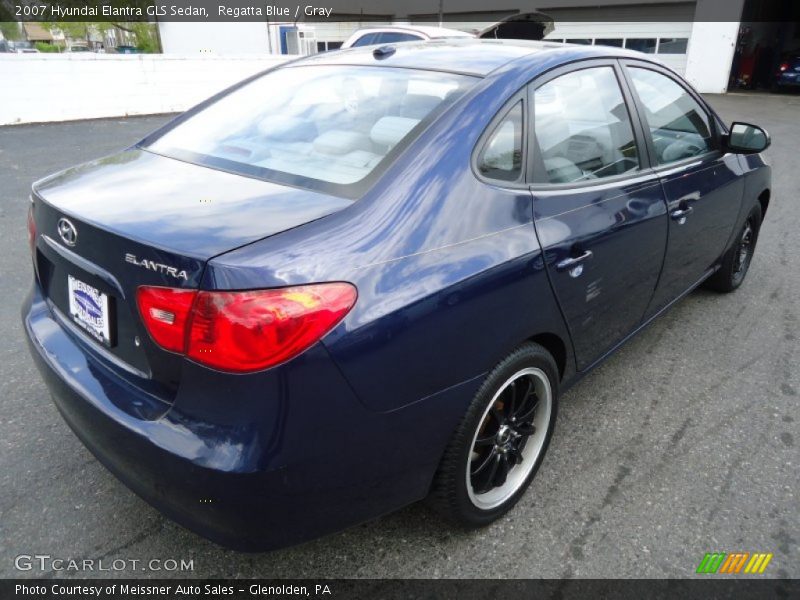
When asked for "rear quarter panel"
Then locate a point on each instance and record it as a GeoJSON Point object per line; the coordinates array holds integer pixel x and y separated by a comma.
{"type": "Point", "coordinates": [449, 272]}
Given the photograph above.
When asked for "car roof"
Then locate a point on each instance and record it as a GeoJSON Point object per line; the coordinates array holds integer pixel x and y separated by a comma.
{"type": "Point", "coordinates": [432, 32]}
{"type": "Point", "coordinates": [469, 56]}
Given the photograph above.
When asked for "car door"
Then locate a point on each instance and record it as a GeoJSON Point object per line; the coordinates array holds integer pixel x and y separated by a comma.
{"type": "Point", "coordinates": [599, 210]}
{"type": "Point", "coordinates": [702, 185]}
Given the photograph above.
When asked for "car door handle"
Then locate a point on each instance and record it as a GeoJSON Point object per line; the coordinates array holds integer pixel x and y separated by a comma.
{"type": "Point", "coordinates": [573, 261]}
{"type": "Point", "coordinates": [680, 214]}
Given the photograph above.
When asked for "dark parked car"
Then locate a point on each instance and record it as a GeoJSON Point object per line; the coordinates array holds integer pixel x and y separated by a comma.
{"type": "Point", "coordinates": [365, 278]}
{"type": "Point", "coordinates": [788, 73]}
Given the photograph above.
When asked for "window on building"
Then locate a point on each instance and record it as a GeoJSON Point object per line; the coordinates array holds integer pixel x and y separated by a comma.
{"type": "Point", "coordinates": [327, 46]}
{"type": "Point", "coordinates": [615, 42]}
{"type": "Point", "coordinates": [646, 45]}
{"type": "Point", "coordinates": [672, 45]}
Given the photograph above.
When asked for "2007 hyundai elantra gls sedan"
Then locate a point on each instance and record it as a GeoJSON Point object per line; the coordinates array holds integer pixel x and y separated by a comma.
{"type": "Point", "coordinates": [364, 278]}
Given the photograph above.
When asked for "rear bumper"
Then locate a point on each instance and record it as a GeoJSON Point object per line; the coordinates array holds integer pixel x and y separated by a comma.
{"type": "Point", "coordinates": [252, 463]}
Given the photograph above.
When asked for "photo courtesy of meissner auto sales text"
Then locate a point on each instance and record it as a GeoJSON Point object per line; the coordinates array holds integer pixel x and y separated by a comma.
{"type": "Point", "coordinates": [399, 299]}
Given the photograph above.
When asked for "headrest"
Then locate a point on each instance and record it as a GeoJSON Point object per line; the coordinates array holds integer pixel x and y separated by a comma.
{"type": "Point", "coordinates": [388, 131]}
{"type": "Point", "coordinates": [561, 170]}
{"type": "Point", "coordinates": [419, 105]}
{"type": "Point", "coordinates": [340, 141]}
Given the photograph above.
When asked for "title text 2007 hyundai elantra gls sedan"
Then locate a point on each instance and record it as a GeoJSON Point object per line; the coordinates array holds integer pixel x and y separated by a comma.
{"type": "Point", "coordinates": [364, 278]}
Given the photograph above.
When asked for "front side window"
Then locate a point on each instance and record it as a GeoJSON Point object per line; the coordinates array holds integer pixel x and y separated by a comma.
{"type": "Point", "coordinates": [322, 127]}
{"type": "Point", "coordinates": [501, 156]}
{"type": "Point", "coordinates": [678, 124]}
{"type": "Point", "coordinates": [583, 128]}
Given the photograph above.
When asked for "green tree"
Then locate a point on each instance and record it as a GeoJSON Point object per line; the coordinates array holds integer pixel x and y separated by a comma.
{"type": "Point", "coordinates": [79, 30]}
{"type": "Point", "coordinates": [10, 30]}
{"type": "Point", "coordinates": [146, 37]}
{"type": "Point", "coordinates": [6, 11]}
{"type": "Point", "coordinates": [143, 31]}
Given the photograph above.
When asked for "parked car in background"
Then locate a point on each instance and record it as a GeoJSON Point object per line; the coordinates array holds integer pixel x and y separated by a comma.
{"type": "Point", "coordinates": [523, 26]}
{"type": "Point", "coordinates": [128, 50]}
{"type": "Point", "coordinates": [343, 286]}
{"type": "Point", "coordinates": [22, 47]}
{"type": "Point", "coordinates": [787, 75]}
{"type": "Point", "coordinates": [394, 34]}
{"type": "Point", "coordinates": [78, 48]}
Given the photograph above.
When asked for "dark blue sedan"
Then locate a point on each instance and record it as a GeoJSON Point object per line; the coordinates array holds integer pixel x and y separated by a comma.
{"type": "Point", "coordinates": [365, 278]}
{"type": "Point", "coordinates": [788, 74]}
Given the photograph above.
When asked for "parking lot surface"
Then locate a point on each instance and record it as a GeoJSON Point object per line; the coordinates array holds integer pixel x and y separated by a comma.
{"type": "Point", "coordinates": [684, 442]}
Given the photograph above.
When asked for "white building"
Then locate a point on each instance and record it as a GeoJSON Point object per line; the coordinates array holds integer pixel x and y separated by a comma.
{"type": "Point", "coordinates": [683, 34]}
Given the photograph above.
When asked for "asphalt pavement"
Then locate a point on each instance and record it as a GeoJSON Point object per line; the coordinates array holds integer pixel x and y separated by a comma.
{"type": "Point", "coordinates": [684, 442]}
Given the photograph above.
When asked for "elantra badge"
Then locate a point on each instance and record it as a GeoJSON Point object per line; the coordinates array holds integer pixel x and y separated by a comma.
{"type": "Point", "coordinates": [157, 267]}
{"type": "Point", "coordinates": [67, 232]}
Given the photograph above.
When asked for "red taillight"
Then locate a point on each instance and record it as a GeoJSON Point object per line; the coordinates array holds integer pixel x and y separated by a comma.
{"type": "Point", "coordinates": [245, 331]}
{"type": "Point", "coordinates": [784, 67]}
{"type": "Point", "coordinates": [165, 312]}
{"type": "Point", "coordinates": [31, 229]}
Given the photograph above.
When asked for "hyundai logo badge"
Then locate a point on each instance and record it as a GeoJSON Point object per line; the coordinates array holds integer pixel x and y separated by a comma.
{"type": "Point", "coordinates": [67, 232]}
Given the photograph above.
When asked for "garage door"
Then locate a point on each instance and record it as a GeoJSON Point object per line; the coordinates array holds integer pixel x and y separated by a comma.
{"type": "Point", "coordinates": [663, 30]}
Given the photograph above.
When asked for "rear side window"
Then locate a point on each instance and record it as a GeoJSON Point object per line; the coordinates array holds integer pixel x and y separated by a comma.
{"type": "Point", "coordinates": [366, 40]}
{"type": "Point", "coordinates": [678, 125]}
{"type": "Point", "coordinates": [324, 127]}
{"type": "Point", "coordinates": [501, 156]}
{"type": "Point", "coordinates": [391, 37]}
{"type": "Point", "coordinates": [583, 128]}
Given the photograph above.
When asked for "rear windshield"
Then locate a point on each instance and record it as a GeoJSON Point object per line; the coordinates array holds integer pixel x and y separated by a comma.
{"type": "Point", "coordinates": [331, 128]}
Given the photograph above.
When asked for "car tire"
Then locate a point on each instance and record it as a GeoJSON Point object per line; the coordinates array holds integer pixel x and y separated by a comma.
{"type": "Point", "coordinates": [736, 261]}
{"type": "Point", "coordinates": [499, 445]}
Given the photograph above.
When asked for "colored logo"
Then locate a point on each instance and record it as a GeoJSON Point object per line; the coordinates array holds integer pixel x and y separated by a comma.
{"type": "Point", "coordinates": [88, 304]}
{"type": "Point", "coordinates": [734, 562]}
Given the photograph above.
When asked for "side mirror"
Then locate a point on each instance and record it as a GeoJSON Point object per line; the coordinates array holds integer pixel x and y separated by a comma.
{"type": "Point", "coordinates": [745, 138]}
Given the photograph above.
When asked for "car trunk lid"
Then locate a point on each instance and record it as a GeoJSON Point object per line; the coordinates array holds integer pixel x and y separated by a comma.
{"type": "Point", "coordinates": [136, 218]}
